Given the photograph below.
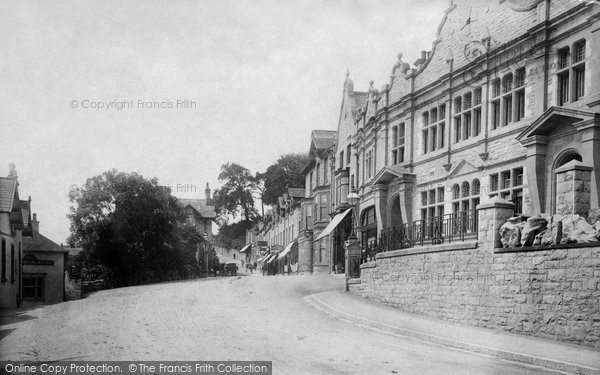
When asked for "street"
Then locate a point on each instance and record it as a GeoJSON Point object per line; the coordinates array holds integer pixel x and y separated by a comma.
{"type": "Point", "coordinates": [233, 318]}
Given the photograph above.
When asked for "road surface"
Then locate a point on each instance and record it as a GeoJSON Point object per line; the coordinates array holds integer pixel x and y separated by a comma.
{"type": "Point", "coordinates": [234, 318]}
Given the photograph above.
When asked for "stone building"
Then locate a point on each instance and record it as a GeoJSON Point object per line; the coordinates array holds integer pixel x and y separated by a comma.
{"type": "Point", "coordinates": [200, 213]}
{"type": "Point", "coordinates": [500, 119]}
{"type": "Point", "coordinates": [492, 109]}
{"type": "Point", "coordinates": [14, 215]}
{"type": "Point", "coordinates": [44, 264]}
{"type": "Point", "coordinates": [274, 240]}
{"type": "Point", "coordinates": [315, 253]}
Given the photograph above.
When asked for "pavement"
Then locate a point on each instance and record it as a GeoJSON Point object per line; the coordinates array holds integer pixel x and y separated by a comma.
{"type": "Point", "coordinates": [552, 355]}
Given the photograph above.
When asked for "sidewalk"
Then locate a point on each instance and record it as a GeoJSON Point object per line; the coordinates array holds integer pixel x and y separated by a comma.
{"type": "Point", "coordinates": [535, 351]}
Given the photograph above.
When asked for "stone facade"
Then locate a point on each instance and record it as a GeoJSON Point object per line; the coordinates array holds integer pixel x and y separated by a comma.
{"type": "Point", "coordinates": [493, 109]}
{"type": "Point", "coordinates": [279, 228]}
{"type": "Point", "coordinates": [503, 115]}
{"type": "Point", "coordinates": [551, 293]}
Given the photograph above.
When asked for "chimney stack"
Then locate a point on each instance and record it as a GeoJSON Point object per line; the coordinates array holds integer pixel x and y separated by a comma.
{"type": "Point", "coordinates": [35, 224]}
{"type": "Point", "coordinates": [12, 170]}
{"type": "Point", "coordinates": [207, 193]}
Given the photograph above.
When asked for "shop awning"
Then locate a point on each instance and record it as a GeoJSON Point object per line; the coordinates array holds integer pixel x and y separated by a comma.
{"type": "Point", "coordinates": [245, 248]}
{"type": "Point", "coordinates": [272, 258]}
{"type": "Point", "coordinates": [286, 250]}
{"type": "Point", "coordinates": [264, 257]}
{"type": "Point", "coordinates": [333, 223]}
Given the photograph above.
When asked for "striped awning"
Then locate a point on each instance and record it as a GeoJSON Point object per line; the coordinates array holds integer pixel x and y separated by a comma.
{"type": "Point", "coordinates": [287, 249]}
{"type": "Point", "coordinates": [245, 248]}
{"type": "Point", "coordinates": [333, 223]}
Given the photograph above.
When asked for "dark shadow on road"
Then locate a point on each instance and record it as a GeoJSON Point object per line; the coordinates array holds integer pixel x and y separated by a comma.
{"type": "Point", "coordinates": [5, 332]}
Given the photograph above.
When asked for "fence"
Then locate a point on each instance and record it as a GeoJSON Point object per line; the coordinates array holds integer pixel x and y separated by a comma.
{"type": "Point", "coordinates": [432, 231]}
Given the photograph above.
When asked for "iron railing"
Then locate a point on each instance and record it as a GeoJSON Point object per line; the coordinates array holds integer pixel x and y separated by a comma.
{"type": "Point", "coordinates": [431, 231]}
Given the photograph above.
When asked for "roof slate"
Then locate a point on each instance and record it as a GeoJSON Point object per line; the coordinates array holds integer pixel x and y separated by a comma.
{"type": "Point", "coordinates": [39, 242]}
{"type": "Point", "coordinates": [7, 193]}
{"type": "Point", "coordinates": [296, 192]}
{"type": "Point", "coordinates": [200, 206]}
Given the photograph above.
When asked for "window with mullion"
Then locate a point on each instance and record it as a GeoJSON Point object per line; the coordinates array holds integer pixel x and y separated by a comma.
{"type": "Point", "coordinates": [432, 203]}
{"type": "Point", "coordinates": [434, 129]}
{"type": "Point", "coordinates": [398, 139]}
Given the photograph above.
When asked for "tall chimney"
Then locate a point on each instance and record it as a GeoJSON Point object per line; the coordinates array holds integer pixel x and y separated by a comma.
{"type": "Point", "coordinates": [12, 170]}
{"type": "Point", "coordinates": [207, 192]}
{"type": "Point", "coordinates": [35, 224]}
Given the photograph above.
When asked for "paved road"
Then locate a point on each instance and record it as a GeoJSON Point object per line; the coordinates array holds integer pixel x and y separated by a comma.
{"type": "Point", "coordinates": [246, 318]}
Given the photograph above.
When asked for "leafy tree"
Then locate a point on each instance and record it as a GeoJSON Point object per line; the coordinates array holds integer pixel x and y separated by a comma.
{"type": "Point", "coordinates": [233, 235]}
{"type": "Point", "coordinates": [284, 173]}
{"type": "Point", "coordinates": [234, 199]}
{"type": "Point", "coordinates": [128, 226]}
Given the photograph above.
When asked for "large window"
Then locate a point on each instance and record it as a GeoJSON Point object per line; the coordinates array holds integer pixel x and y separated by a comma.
{"type": "Point", "coordinates": [467, 115]}
{"type": "Point", "coordinates": [508, 185]}
{"type": "Point", "coordinates": [432, 203]}
{"type": "Point", "coordinates": [465, 197]}
{"type": "Point", "coordinates": [33, 288]}
{"type": "Point", "coordinates": [571, 73]}
{"type": "Point", "coordinates": [324, 207]}
{"type": "Point", "coordinates": [398, 139]}
{"type": "Point", "coordinates": [434, 129]}
{"type": "Point", "coordinates": [369, 163]}
{"type": "Point", "coordinates": [508, 99]}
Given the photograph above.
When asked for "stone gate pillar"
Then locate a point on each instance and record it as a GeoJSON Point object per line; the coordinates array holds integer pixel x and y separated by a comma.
{"type": "Point", "coordinates": [491, 216]}
{"type": "Point", "coordinates": [573, 184]}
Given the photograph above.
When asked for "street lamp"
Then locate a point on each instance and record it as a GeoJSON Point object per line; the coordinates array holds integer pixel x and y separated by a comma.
{"type": "Point", "coordinates": [352, 247]}
{"type": "Point", "coordinates": [353, 199]}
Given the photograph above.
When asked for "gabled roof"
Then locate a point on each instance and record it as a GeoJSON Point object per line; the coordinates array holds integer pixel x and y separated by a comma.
{"type": "Point", "coordinates": [388, 173]}
{"type": "Point", "coordinates": [296, 192]}
{"type": "Point", "coordinates": [8, 188]}
{"type": "Point", "coordinates": [200, 206]}
{"type": "Point", "coordinates": [322, 140]}
{"type": "Point", "coordinates": [556, 117]}
{"type": "Point", "coordinates": [39, 242]}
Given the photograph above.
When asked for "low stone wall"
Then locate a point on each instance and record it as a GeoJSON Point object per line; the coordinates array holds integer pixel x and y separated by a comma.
{"type": "Point", "coordinates": [552, 293]}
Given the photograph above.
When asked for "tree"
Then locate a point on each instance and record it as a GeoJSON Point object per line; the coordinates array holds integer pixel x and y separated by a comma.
{"type": "Point", "coordinates": [285, 172]}
{"type": "Point", "coordinates": [234, 199]}
{"type": "Point", "coordinates": [128, 225]}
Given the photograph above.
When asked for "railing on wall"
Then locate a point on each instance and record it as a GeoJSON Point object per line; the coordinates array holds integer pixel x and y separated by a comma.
{"type": "Point", "coordinates": [431, 231]}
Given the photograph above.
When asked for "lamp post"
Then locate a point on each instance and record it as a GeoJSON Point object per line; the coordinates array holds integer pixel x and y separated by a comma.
{"type": "Point", "coordinates": [353, 199]}
{"type": "Point", "coordinates": [351, 244]}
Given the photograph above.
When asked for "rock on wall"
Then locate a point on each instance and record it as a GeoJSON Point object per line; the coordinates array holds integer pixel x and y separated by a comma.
{"type": "Point", "coordinates": [551, 293]}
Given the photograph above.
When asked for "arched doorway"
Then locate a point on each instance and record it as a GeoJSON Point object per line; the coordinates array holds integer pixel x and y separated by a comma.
{"type": "Point", "coordinates": [563, 158]}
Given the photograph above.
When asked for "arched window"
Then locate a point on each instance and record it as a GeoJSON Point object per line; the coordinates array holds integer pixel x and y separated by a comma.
{"type": "Point", "coordinates": [466, 191]}
{"type": "Point", "coordinates": [456, 191]}
{"type": "Point", "coordinates": [476, 187]}
{"type": "Point", "coordinates": [469, 199]}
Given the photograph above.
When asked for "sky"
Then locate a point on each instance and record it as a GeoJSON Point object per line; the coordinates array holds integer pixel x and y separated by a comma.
{"type": "Point", "coordinates": [176, 89]}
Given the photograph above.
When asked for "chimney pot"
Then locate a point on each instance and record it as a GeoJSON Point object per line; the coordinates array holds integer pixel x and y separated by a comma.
{"type": "Point", "coordinates": [35, 224]}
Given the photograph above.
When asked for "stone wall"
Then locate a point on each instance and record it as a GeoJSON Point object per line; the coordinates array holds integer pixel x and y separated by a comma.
{"type": "Point", "coordinates": [550, 293]}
